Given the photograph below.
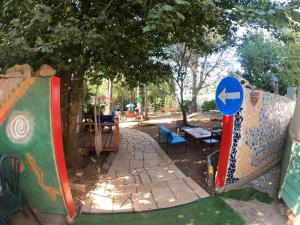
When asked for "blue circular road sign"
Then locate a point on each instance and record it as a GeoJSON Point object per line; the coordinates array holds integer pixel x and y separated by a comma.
{"type": "Point", "coordinates": [229, 96]}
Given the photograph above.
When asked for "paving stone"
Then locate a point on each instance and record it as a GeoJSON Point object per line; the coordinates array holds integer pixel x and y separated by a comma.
{"type": "Point", "coordinates": [122, 172]}
{"type": "Point", "coordinates": [115, 191]}
{"type": "Point", "coordinates": [115, 188]}
{"type": "Point", "coordinates": [101, 204]}
{"type": "Point", "coordinates": [116, 181]}
{"type": "Point", "coordinates": [123, 163]}
{"type": "Point", "coordinates": [129, 179]}
{"type": "Point", "coordinates": [196, 188]}
{"type": "Point", "coordinates": [112, 173]}
{"type": "Point", "coordinates": [99, 191]}
{"type": "Point", "coordinates": [145, 177]}
{"type": "Point", "coordinates": [150, 163]}
{"type": "Point", "coordinates": [161, 174]}
{"type": "Point", "coordinates": [151, 156]}
{"type": "Point", "coordinates": [139, 156]}
{"type": "Point", "coordinates": [143, 188]}
{"type": "Point", "coordinates": [123, 204]}
{"type": "Point", "coordinates": [143, 201]}
{"type": "Point", "coordinates": [136, 163]}
{"type": "Point", "coordinates": [182, 191]}
{"type": "Point", "coordinates": [130, 189]}
{"type": "Point", "coordinates": [137, 179]}
{"type": "Point", "coordinates": [177, 172]}
{"type": "Point", "coordinates": [162, 195]}
{"type": "Point", "coordinates": [86, 205]}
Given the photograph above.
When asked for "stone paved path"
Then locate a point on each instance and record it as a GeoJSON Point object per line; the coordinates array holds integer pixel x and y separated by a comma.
{"type": "Point", "coordinates": [142, 177]}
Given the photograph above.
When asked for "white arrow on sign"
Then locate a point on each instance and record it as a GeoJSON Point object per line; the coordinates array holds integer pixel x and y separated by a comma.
{"type": "Point", "coordinates": [233, 95]}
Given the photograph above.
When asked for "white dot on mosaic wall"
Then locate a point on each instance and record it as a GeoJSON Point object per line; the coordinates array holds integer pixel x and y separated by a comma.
{"type": "Point", "coordinates": [19, 127]}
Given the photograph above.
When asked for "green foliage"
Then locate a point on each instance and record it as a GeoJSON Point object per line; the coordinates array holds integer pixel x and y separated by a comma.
{"type": "Point", "coordinates": [158, 94]}
{"type": "Point", "coordinates": [81, 37]}
{"type": "Point", "coordinates": [247, 194]}
{"type": "Point", "coordinates": [260, 56]}
{"type": "Point", "coordinates": [209, 105]}
{"type": "Point", "coordinates": [276, 15]}
{"type": "Point", "coordinates": [263, 56]}
{"type": "Point", "coordinates": [168, 101]}
{"type": "Point", "coordinates": [289, 74]}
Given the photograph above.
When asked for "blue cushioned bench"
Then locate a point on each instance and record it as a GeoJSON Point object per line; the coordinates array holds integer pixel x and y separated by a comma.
{"type": "Point", "coordinates": [170, 137]}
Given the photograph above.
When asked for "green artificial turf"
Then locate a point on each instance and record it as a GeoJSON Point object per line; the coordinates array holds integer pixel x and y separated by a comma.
{"type": "Point", "coordinates": [209, 211]}
{"type": "Point", "coordinates": [246, 194]}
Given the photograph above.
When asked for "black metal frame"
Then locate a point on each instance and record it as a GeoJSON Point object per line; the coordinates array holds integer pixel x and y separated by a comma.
{"type": "Point", "coordinates": [9, 181]}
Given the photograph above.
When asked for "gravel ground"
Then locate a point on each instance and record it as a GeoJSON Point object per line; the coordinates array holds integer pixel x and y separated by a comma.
{"type": "Point", "coordinates": [257, 213]}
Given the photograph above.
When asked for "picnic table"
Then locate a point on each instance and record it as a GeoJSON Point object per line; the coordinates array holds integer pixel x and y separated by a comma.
{"type": "Point", "coordinates": [197, 133]}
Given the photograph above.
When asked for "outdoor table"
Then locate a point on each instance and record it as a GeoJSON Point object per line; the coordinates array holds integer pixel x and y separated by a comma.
{"type": "Point", "coordinates": [197, 133]}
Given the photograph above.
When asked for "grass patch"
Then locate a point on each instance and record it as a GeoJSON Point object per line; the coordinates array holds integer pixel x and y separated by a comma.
{"type": "Point", "coordinates": [247, 194]}
{"type": "Point", "coordinates": [209, 211]}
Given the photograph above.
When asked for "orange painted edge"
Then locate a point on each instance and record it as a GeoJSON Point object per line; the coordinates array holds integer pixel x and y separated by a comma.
{"type": "Point", "coordinates": [58, 146]}
{"type": "Point", "coordinates": [19, 92]}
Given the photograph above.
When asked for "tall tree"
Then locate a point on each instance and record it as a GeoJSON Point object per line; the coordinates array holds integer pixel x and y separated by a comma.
{"type": "Point", "coordinates": [180, 56]}
{"type": "Point", "coordinates": [260, 56]}
{"type": "Point", "coordinates": [205, 72]}
{"type": "Point", "coordinates": [263, 56]}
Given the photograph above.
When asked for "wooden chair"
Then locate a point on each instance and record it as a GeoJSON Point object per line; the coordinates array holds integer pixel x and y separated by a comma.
{"type": "Point", "coordinates": [215, 137]}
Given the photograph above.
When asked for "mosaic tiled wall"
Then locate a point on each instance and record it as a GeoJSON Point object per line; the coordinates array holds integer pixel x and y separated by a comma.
{"type": "Point", "coordinates": [259, 134]}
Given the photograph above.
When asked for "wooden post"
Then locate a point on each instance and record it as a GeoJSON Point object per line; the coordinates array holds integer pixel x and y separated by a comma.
{"type": "Point", "coordinates": [117, 134]}
{"type": "Point", "coordinates": [109, 97]}
{"type": "Point", "coordinates": [145, 102]}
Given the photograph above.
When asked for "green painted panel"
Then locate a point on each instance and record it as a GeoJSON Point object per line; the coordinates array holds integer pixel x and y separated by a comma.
{"type": "Point", "coordinates": [290, 188]}
{"type": "Point", "coordinates": [296, 150]}
{"type": "Point", "coordinates": [292, 203]}
{"type": "Point", "coordinates": [39, 179]}
{"type": "Point", "coordinates": [286, 159]}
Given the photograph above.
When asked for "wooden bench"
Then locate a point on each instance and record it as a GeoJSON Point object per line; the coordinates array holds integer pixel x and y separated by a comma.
{"type": "Point", "coordinates": [110, 135]}
{"type": "Point", "coordinates": [170, 137]}
{"type": "Point", "coordinates": [110, 139]}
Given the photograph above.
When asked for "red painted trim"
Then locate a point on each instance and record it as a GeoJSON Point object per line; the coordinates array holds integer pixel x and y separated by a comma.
{"type": "Point", "coordinates": [58, 145]}
{"type": "Point", "coordinates": [226, 143]}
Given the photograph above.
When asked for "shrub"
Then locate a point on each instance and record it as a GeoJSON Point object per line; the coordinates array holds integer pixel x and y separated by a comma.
{"type": "Point", "coordinates": [209, 105]}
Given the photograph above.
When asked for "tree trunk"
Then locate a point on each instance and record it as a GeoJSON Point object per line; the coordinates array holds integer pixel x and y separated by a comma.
{"type": "Point", "coordinates": [80, 107]}
{"type": "Point", "coordinates": [184, 116]}
{"type": "Point", "coordinates": [65, 85]}
{"type": "Point", "coordinates": [182, 107]}
{"type": "Point", "coordinates": [145, 102]}
{"type": "Point", "coordinates": [194, 67]}
{"type": "Point", "coordinates": [109, 97]}
{"type": "Point", "coordinates": [70, 136]}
